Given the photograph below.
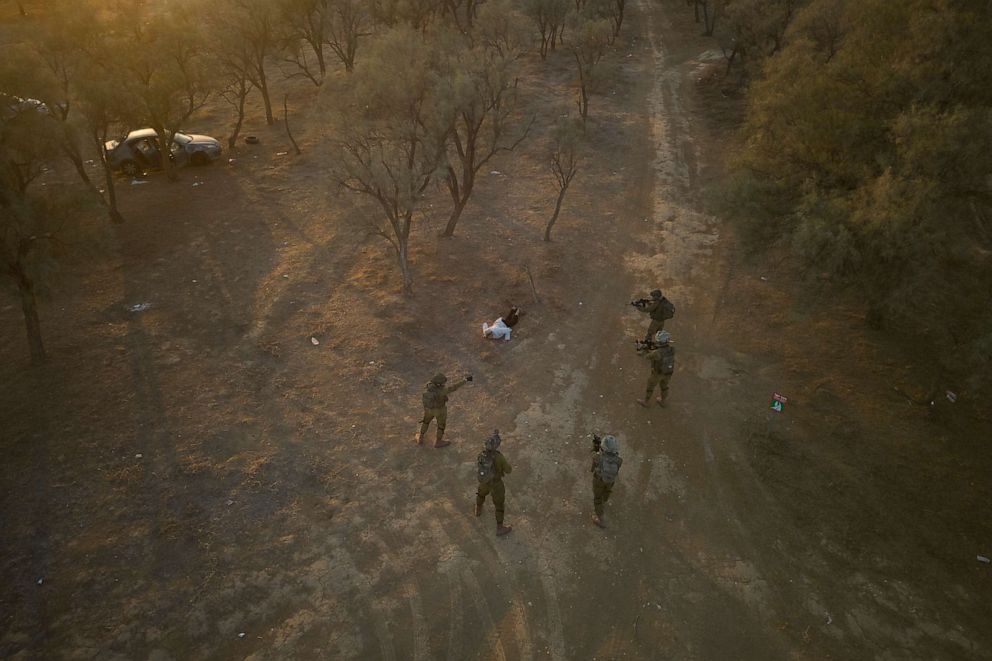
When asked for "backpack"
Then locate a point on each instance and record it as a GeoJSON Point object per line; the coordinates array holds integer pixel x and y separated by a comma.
{"type": "Point", "coordinates": [667, 309]}
{"type": "Point", "coordinates": [608, 467]}
{"type": "Point", "coordinates": [668, 361]}
{"type": "Point", "coordinates": [486, 467]}
{"type": "Point", "coordinates": [432, 398]}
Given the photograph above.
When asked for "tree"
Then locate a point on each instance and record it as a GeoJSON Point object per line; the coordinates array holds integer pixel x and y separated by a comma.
{"type": "Point", "coordinates": [256, 25]}
{"type": "Point", "coordinates": [347, 22]}
{"type": "Point", "coordinates": [564, 166]}
{"type": "Point", "coordinates": [394, 135]}
{"type": "Point", "coordinates": [162, 69]}
{"type": "Point", "coordinates": [305, 25]}
{"type": "Point", "coordinates": [589, 47]}
{"type": "Point", "coordinates": [34, 227]}
{"type": "Point", "coordinates": [549, 18]}
{"type": "Point", "coordinates": [872, 152]}
{"type": "Point", "coordinates": [418, 14]}
{"type": "Point", "coordinates": [481, 88]}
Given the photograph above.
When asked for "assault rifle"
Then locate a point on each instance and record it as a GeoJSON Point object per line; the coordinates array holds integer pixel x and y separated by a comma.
{"type": "Point", "coordinates": [596, 441]}
{"type": "Point", "coordinates": [646, 345]}
{"type": "Point", "coordinates": [641, 302]}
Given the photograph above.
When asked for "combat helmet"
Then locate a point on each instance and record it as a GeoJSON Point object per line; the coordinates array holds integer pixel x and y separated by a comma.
{"type": "Point", "coordinates": [662, 337]}
{"type": "Point", "coordinates": [492, 441]}
{"type": "Point", "coordinates": [656, 294]}
{"type": "Point", "coordinates": [439, 379]}
{"type": "Point", "coordinates": [609, 444]}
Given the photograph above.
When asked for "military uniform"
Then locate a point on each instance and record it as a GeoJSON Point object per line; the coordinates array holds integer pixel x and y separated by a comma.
{"type": "Point", "coordinates": [659, 377]}
{"type": "Point", "coordinates": [496, 489]}
{"type": "Point", "coordinates": [659, 309]}
{"type": "Point", "coordinates": [600, 490]}
{"type": "Point", "coordinates": [435, 407]}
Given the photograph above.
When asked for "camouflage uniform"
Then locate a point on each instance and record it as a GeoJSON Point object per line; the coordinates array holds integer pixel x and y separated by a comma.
{"type": "Point", "coordinates": [657, 309]}
{"type": "Point", "coordinates": [658, 377]}
{"type": "Point", "coordinates": [437, 392]}
{"type": "Point", "coordinates": [494, 488]}
{"type": "Point", "coordinates": [600, 490]}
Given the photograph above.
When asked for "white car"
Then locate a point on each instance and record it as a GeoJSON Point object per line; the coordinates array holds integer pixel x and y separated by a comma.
{"type": "Point", "coordinates": [138, 151]}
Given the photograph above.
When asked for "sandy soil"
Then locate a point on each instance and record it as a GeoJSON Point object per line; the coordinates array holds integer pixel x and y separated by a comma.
{"type": "Point", "coordinates": [199, 480]}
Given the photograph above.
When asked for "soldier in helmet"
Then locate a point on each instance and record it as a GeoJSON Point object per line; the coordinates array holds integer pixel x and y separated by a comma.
{"type": "Point", "coordinates": [436, 406]}
{"type": "Point", "coordinates": [662, 357]}
{"type": "Point", "coordinates": [606, 463]}
{"type": "Point", "coordinates": [658, 308]}
{"type": "Point", "coordinates": [491, 466]}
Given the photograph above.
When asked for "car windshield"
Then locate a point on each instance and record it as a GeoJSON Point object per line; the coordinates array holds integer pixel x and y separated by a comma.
{"type": "Point", "coordinates": [183, 139]}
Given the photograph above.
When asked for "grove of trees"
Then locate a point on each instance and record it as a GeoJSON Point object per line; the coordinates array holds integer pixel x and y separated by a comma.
{"type": "Point", "coordinates": [866, 151]}
{"type": "Point", "coordinates": [432, 96]}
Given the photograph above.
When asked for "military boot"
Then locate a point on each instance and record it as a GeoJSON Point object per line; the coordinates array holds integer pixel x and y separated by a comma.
{"type": "Point", "coordinates": [502, 530]}
{"type": "Point", "coordinates": [598, 520]}
{"type": "Point", "coordinates": [438, 443]}
{"type": "Point", "coordinates": [420, 436]}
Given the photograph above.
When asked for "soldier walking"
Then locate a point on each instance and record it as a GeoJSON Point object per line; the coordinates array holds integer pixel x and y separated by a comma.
{"type": "Point", "coordinates": [436, 406]}
{"type": "Point", "coordinates": [662, 357]}
{"type": "Point", "coordinates": [491, 466]}
{"type": "Point", "coordinates": [658, 308]}
{"type": "Point", "coordinates": [606, 463]}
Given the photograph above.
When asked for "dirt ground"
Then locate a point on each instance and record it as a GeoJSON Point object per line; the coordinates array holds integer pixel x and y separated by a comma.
{"type": "Point", "coordinates": [199, 480]}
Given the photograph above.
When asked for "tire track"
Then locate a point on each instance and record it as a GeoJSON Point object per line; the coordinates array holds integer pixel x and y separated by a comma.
{"type": "Point", "coordinates": [493, 638]}
{"type": "Point", "coordinates": [421, 632]}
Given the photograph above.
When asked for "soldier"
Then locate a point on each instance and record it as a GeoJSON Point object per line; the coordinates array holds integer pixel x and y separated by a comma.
{"type": "Point", "coordinates": [491, 466]}
{"type": "Point", "coordinates": [436, 406]}
{"type": "Point", "coordinates": [658, 308]}
{"type": "Point", "coordinates": [606, 463]}
{"type": "Point", "coordinates": [662, 356]}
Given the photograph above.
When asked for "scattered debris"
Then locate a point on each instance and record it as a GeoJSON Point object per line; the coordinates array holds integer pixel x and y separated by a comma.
{"type": "Point", "coordinates": [232, 161]}
{"type": "Point", "coordinates": [241, 635]}
{"type": "Point", "coordinates": [197, 183]}
{"type": "Point", "coordinates": [496, 172]}
{"type": "Point", "coordinates": [138, 456]}
{"type": "Point", "coordinates": [138, 182]}
{"type": "Point", "coordinates": [982, 558]}
{"type": "Point", "coordinates": [251, 139]}
{"type": "Point", "coordinates": [314, 341]}
{"type": "Point", "coordinates": [764, 278]}
{"type": "Point", "coordinates": [138, 307]}
{"type": "Point", "coordinates": [230, 502]}
{"type": "Point", "coordinates": [830, 620]}
{"type": "Point", "coordinates": [778, 402]}
{"type": "Point", "coordinates": [40, 581]}
{"type": "Point", "coordinates": [282, 153]}
{"type": "Point", "coordinates": [951, 396]}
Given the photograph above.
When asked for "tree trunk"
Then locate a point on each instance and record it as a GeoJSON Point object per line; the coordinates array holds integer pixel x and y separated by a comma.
{"type": "Point", "coordinates": [551, 223]}
{"type": "Point", "coordinates": [459, 198]}
{"type": "Point", "coordinates": [242, 95]}
{"type": "Point", "coordinates": [108, 177]}
{"type": "Point", "coordinates": [29, 305]}
{"type": "Point", "coordinates": [285, 119]}
{"type": "Point", "coordinates": [263, 87]}
{"type": "Point", "coordinates": [401, 254]}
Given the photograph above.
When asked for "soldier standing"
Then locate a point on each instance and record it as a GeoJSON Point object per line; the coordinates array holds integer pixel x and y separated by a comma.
{"type": "Point", "coordinates": [491, 466]}
{"type": "Point", "coordinates": [606, 463]}
{"type": "Point", "coordinates": [658, 308]}
{"type": "Point", "coordinates": [662, 356]}
{"type": "Point", "coordinates": [436, 406]}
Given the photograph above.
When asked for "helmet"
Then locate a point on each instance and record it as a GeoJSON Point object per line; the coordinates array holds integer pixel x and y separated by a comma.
{"type": "Point", "coordinates": [439, 379]}
{"type": "Point", "coordinates": [662, 337]}
{"type": "Point", "coordinates": [493, 440]}
{"type": "Point", "coordinates": [656, 293]}
{"type": "Point", "coordinates": [609, 444]}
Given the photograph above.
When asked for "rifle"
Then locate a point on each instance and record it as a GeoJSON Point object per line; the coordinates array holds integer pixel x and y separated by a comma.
{"type": "Point", "coordinates": [641, 302]}
{"type": "Point", "coordinates": [596, 441]}
{"type": "Point", "coordinates": [646, 345]}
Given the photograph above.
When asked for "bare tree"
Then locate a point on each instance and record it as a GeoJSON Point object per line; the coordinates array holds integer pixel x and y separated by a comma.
{"type": "Point", "coordinates": [257, 25]}
{"type": "Point", "coordinates": [347, 22]}
{"type": "Point", "coordinates": [482, 90]}
{"type": "Point", "coordinates": [163, 70]}
{"type": "Point", "coordinates": [549, 18]}
{"type": "Point", "coordinates": [564, 166]}
{"type": "Point", "coordinates": [305, 26]}
{"type": "Point", "coordinates": [590, 46]}
{"type": "Point", "coordinates": [34, 227]}
{"type": "Point", "coordinates": [103, 110]}
{"type": "Point", "coordinates": [394, 137]}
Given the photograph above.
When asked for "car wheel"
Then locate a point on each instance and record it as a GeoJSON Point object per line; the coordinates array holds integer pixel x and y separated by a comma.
{"type": "Point", "coordinates": [131, 169]}
{"type": "Point", "coordinates": [199, 158]}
